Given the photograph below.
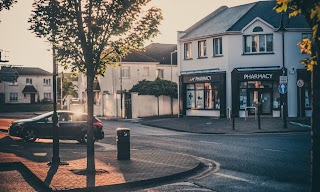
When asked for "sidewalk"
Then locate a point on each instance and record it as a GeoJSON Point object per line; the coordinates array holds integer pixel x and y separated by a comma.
{"type": "Point", "coordinates": [30, 170]}
{"type": "Point", "coordinates": [209, 125]}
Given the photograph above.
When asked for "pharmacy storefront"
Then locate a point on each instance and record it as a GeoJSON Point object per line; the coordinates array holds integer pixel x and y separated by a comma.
{"type": "Point", "coordinates": [203, 94]}
{"type": "Point", "coordinates": [249, 85]}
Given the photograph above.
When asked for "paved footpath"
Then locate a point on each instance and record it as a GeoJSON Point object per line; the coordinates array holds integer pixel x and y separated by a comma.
{"type": "Point", "coordinates": [29, 170]}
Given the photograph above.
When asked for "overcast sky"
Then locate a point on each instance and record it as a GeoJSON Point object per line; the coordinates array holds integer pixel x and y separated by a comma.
{"type": "Point", "coordinates": [27, 50]}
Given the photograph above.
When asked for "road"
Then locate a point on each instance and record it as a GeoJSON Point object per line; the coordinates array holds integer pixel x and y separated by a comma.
{"type": "Point", "coordinates": [253, 162]}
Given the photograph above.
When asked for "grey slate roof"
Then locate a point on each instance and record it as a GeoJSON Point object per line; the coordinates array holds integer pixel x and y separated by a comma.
{"type": "Point", "coordinates": [234, 19]}
{"type": "Point", "coordinates": [29, 89]}
{"type": "Point", "coordinates": [32, 71]}
{"type": "Point", "coordinates": [155, 52]}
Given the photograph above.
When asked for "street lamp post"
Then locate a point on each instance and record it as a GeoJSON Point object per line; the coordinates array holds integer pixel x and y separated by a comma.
{"type": "Point", "coordinates": [175, 51]}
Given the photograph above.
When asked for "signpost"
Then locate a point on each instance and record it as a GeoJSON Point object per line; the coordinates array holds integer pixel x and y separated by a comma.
{"type": "Point", "coordinates": [300, 84]}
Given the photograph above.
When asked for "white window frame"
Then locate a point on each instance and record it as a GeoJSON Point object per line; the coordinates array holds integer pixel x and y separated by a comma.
{"type": "Point", "coordinates": [47, 96]}
{"type": "Point", "coordinates": [28, 81]}
{"type": "Point", "coordinates": [218, 51]}
{"type": "Point", "coordinates": [188, 50]}
{"type": "Point", "coordinates": [257, 41]}
{"type": "Point", "coordinates": [13, 97]}
{"type": "Point", "coordinates": [146, 71]}
{"type": "Point", "coordinates": [125, 72]}
{"type": "Point", "coordinates": [202, 49]}
{"type": "Point", "coordinates": [46, 81]}
{"type": "Point", "coordinates": [160, 73]}
{"type": "Point", "coordinates": [15, 83]}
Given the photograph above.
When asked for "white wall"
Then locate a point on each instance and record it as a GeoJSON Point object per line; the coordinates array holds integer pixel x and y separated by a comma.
{"type": "Point", "coordinates": [147, 105]}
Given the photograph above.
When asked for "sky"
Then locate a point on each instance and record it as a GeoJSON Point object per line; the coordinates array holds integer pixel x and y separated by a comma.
{"type": "Point", "coordinates": [27, 50]}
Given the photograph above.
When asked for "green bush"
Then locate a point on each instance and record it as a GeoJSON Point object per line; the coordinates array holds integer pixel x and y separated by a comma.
{"type": "Point", "coordinates": [157, 87]}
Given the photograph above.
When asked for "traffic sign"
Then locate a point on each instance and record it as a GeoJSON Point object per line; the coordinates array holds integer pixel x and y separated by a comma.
{"type": "Point", "coordinates": [283, 88]}
{"type": "Point", "coordinates": [283, 79]}
{"type": "Point", "coordinates": [300, 83]}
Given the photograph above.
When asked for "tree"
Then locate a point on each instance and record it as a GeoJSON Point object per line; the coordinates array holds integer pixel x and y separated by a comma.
{"type": "Point", "coordinates": [91, 34]}
{"type": "Point", "coordinates": [310, 9]}
{"type": "Point", "coordinates": [68, 88]}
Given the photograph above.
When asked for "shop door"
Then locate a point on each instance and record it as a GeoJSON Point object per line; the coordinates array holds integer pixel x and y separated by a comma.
{"type": "Point", "coordinates": [264, 97]}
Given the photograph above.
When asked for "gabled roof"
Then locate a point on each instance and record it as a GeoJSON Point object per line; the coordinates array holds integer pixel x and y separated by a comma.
{"type": "Point", "coordinates": [29, 89]}
{"type": "Point", "coordinates": [154, 52]}
{"type": "Point", "coordinates": [234, 19]}
{"type": "Point", "coordinates": [32, 71]}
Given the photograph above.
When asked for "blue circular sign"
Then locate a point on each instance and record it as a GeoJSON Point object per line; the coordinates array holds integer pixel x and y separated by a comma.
{"type": "Point", "coordinates": [283, 88]}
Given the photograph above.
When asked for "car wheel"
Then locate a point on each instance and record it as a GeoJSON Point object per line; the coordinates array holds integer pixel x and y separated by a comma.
{"type": "Point", "coordinates": [29, 135]}
{"type": "Point", "coordinates": [85, 138]}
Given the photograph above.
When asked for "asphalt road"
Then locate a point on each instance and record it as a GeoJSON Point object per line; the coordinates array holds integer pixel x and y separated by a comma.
{"type": "Point", "coordinates": [253, 162]}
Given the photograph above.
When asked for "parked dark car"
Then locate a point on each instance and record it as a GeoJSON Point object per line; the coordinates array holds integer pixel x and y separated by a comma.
{"type": "Point", "coordinates": [71, 126]}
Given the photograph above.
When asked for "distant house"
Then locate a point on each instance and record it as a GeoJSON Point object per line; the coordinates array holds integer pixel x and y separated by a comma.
{"type": "Point", "coordinates": [154, 62]}
{"type": "Point", "coordinates": [32, 86]}
{"type": "Point", "coordinates": [234, 58]}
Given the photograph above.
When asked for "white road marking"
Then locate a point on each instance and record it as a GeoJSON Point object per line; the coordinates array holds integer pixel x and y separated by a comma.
{"type": "Point", "coordinates": [274, 150]}
{"type": "Point", "coordinates": [107, 147]}
{"type": "Point", "coordinates": [300, 124]}
{"type": "Point", "coordinates": [210, 142]}
{"type": "Point", "coordinates": [234, 178]}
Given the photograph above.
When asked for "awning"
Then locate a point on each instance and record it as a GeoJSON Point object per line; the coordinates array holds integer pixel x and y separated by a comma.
{"type": "Point", "coordinates": [29, 89]}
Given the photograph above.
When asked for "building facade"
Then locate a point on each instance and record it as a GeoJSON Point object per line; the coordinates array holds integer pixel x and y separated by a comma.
{"type": "Point", "coordinates": [234, 58]}
{"type": "Point", "coordinates": [33, 85]}
{"type": "Point", "coordinates": [157, 61]}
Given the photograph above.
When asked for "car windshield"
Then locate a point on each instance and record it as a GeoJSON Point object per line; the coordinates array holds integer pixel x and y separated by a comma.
{"type": "Point", "coordinates": [42, 116]}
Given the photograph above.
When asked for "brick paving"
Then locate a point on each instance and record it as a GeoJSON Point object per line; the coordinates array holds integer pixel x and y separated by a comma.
{"type": "Point", "coordinates": [144, 165]}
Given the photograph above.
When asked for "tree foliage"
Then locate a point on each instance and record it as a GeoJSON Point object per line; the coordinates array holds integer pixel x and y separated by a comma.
{"type": "Point", "coordinates": [68, 88]}
{"type": "Point", "coordinates": [6, 4]}
{"type": "Point", "coordinates": [94, 32]}
{"type": "Point", "coordinates": [311, 10]}
{"type": "Point", "coordinates": [156, 88]}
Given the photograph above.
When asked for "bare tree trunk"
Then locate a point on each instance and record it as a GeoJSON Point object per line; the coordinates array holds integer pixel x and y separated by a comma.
{"type": "Point", "coordinates": [90, 131]}
{"type": "Point", "coordinates": [315, 124]}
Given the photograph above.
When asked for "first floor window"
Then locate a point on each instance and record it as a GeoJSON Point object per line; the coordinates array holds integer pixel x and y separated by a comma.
{"type": "Point", "coordinates": [202, 49]}
{"type": "Point", "coordinates": [14, 83]}
{"type": "Point", "coordinates": [160, 73]}
{"type": "Point", "coordinates": [203, 96]}
{"type": "Point", "coordinates": [46, 81]}
{"type": "Point", "coordinates": [125, 72]}
{"type": "Point", "coordinates": [217, 44]}
{"type": "Point", "coordinates": [145, 71]}
{"type": "Point", "coordinates": [13, 96]}
{"type": "Point", "coordinates": [29, 81]}
{"type": "Point", "coordinates": [187, 51]}
{"type": "Point", "coordinates": [258, 43]}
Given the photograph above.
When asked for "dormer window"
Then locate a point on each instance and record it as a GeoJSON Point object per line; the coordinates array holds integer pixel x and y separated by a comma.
{"type": "Point", "coordinates": [257, 29]}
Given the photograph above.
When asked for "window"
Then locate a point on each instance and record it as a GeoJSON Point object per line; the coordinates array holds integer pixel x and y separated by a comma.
{"type": "Point", "coordinates": [29, 81]}
{"type": "Point", "coordinates": [258, 43]}
{"type": "Point", "coordinates": [257, 29]}
{"type": "Point", "coordinates": [15, 83]}
{"type": "Point", "coordinates": [145, 71]}
{"type": "Point", "coordinates": [47, 96]}
{"type": "Point", "coordinates": [306, 36]}
{"type": "Point", "coordinates": [160, 73]}
{"type": "Point", "coordinates": [187, 51]}
{"type": "Point", "coordinates": [203, 96]}
{"type": "Point", "coordinates": [202, 49]}
{"type": "Point", "coordinates": [217, 47]}
{"type": "Point", "coordinates": [125, 72]}
{"type": "Point", "coordinates": [307, 95]}
{"type": "Point", "coordinates": [46, 81]}
{"type": "Point", "coordinates": [13, 96]}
